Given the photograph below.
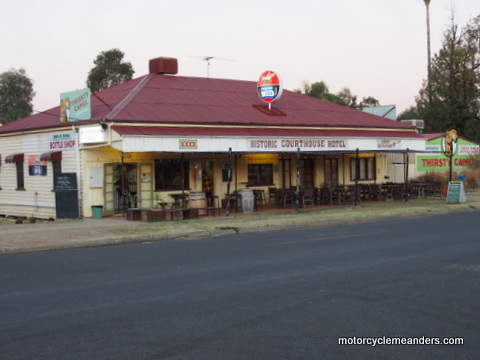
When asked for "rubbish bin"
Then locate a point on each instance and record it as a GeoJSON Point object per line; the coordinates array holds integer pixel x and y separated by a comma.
{"type": "Point", "coordinates": [97, 211]}
{"type": "Point", "coordinates": [247, 200]}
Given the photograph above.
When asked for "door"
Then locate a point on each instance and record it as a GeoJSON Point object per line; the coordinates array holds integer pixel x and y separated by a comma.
{"type": "Point", "coordinates": [145, 190]}
{"type": "Point", "coordinates": [306, 173]}
{"type": "Point", "coordinates": [331, 171]}
{"type": "Point", "coordinates": [109, 190]}
{"type": "Point", "coordinates": [285, 173]}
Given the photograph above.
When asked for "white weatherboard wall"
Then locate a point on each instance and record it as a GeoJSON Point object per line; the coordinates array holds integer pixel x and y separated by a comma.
{"type": "Point", "coordinates": [37, 199]}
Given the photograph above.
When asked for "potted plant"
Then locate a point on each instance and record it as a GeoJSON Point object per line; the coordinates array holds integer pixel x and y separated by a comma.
{"type": "Point", "coordinates": [133, 213]}
{"type": "Point", "coordinates": [131, 200]}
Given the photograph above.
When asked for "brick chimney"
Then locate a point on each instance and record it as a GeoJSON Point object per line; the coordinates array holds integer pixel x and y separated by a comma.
{"type": "Point", "coordinates": [163, 65]}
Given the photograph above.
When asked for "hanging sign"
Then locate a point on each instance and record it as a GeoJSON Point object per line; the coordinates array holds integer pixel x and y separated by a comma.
{"type": "Point", "coordinates": [269, 87]}
{"type": "Point", "coordinates": [449, 143]}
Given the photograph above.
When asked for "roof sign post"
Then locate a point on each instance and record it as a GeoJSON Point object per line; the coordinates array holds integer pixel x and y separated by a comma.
{"type": "Point", "coordinates": [269, 87]}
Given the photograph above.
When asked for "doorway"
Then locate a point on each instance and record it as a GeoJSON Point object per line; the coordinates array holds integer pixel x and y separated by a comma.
{"type": "Point", "coordinates": [207, 178]}
{"type": "Point", "coordinates": [306, 173]}
{"type": "Point", "coordinates": [331, 171]}
{"type": "Point", "coordinates": [120, 188]}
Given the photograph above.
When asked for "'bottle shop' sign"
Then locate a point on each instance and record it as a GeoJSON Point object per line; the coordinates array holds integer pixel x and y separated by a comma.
{"type": "Point", "coordinates": [269, 87]}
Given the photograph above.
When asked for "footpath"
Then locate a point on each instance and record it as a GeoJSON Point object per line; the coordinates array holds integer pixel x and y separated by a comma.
{"type": "Point", "coordinates": [68, 234]}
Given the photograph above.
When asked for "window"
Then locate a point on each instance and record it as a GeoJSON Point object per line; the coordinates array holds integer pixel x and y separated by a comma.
{"type": "Point", "coordinates": [17, 159]}
{"type": "Point", "coordinates": [260, 174]}
{"type": "Point", "coordinates": [168, 174]}
{"type": "Point", "coordinates": [20, 176]}
{"type": "Point", "coordinates": [366, 168]}
{"type": "Point", "coordinates": [331, 171]}
{"type": "Point", "coordinates": [57, 170]}
{"type": "Point", "coordinates": [306, 173]}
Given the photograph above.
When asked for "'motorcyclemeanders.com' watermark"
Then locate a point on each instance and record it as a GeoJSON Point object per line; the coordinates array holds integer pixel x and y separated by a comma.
{"type": "Point", "coordinates": [384, 340]}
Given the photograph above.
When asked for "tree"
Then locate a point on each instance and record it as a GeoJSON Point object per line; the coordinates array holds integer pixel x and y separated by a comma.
{"type": "Point", "coordinates": [109, 70]}
{"type": "Point", "coordinates": [368, 102]}
{"type": "Point", "coordinates": [344, 97]}
{"type": "Point", "coordinates": [450, 99]}
{"type": "Point", "coordinates": [319, 90]}
{"type": "Point", "coordinates": [347, 98]}
{"type": "Point", "coordinates": [410, 113]}
{"type": "Point", "coordinates": [16, 94]}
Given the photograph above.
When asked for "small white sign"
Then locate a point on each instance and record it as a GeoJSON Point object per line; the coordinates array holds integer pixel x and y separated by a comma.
{"type": "Point", "coordinates": [92, 134]}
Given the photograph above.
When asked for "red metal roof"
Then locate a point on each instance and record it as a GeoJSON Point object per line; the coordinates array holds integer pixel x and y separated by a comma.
{"type": "Point", "coordinates": [433, 136]}
{"type": "Point", "coordinates": [167, 99]}
{"type": "Point", "coordinates": [258, 132]}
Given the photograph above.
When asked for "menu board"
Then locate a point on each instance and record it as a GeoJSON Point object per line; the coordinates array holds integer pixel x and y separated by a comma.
{"type": "Point", "coordinates": [66, 181]}
{"type": "Point", "coordinates": [456, 192]}
{"type": "Point", "coordinates": [66, 196]}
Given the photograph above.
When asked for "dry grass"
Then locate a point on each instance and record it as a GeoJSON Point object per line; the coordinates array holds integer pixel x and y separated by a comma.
{"type": "Point", "coordinates": [304, 218]}
{"type": "Point", "coordinates": [67, 233]}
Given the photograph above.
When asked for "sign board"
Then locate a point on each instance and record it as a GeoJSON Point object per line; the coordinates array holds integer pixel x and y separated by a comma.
{"type": "Point", "coordinates": [269, 87]}
{"type": "Point", "coordinates": [65, 181]}
{"type": "Point", "coordinates": [92, 134]}
{"type": "Point", "coordinates": [437, 161]}
{"type": "Point", "coordinates": [456, 192]}
{"type": "Point", "coordinates": [66, 196]}
{"type": "Point", "coordinates": [75, 106]}
{"type": "Point", "coordinates": [36, 166]}
{"type": "Point", "coordinates": [63, 141]}
{"type": "Point", "coordinates": [259, 144]}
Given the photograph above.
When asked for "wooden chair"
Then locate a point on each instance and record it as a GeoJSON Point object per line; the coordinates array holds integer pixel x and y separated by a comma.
{"type": "Point", "coordinates": [308, 197]}
{"type": "Point", "coordinates": [375, 193]}
{"type": "Point", "coordinates": [259, 198]}
{"type": "Point", "coordinates": [271, 196]}
{"type": "Point", "coordinates": [280, 198]}
{"type": "Point", "coordinates": [213, 205]}
{"type": "Point", "coordinates": [326, 197]}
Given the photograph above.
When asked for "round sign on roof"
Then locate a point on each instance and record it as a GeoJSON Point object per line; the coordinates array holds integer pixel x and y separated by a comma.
{"type": "Point", "coordinates": [269, 87]}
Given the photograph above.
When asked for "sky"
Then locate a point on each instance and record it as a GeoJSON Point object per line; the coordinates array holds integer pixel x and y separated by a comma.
{"type": "Point", "coordinates": [375, 48]}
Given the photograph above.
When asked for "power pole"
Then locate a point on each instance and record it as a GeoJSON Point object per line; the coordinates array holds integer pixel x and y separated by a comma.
{"type": "Point", "coordinates": [427, 5]}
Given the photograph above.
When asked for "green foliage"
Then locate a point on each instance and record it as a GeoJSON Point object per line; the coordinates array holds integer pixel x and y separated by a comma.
{"type": "Point", "coordinates": [450, 99]}
{"type": "Point", "coordinates": [131, 199]}
{"type": "Point", "coordinates": [347, 98]}
{"type": "Point", "coordinates": [109, 70]}
{"type": "Point", "coordinates": [344, 97]}
{"type": "Point", "coordinates": [410, 113]}
{"type": "Point", "coordinates": [369, 102]}
{"type": "Point", "coordinates": [16, 94]}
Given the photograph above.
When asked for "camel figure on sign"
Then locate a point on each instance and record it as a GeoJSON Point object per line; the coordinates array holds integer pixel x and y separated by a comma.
{"type": "Point", "coordinates": [451, 137]}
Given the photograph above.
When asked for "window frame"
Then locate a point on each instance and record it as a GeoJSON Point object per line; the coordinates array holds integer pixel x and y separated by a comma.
{"type": "Point", "coordinates": [264, 173]}
{"type": "Point", "coordinates": [367, 168]}
{"type": "Point", "coordinates": [20, 171]}
{"type": "Point", "coordinates": [167, 184]}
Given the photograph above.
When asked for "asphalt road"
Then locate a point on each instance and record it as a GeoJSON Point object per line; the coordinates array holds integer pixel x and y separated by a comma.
{"type": "Point", "coordinates": [274, 295]}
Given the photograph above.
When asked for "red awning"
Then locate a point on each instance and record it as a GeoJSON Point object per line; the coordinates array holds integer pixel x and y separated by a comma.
{"type": "Point", "coordinates": [13, 159]}
{"type": "Point", "coordinates": [51, 156]}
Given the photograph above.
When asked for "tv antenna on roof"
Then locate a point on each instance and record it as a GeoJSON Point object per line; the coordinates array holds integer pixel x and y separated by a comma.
{"type": "Point", "coordinates": [207, 59]}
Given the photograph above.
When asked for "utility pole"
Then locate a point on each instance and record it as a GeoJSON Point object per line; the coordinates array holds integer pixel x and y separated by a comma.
{"type": "Point", "coordinates": [427, 5]}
